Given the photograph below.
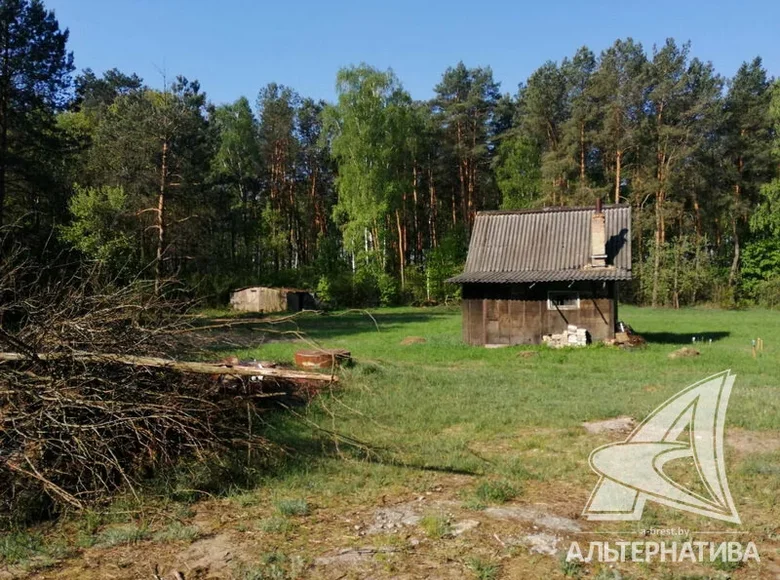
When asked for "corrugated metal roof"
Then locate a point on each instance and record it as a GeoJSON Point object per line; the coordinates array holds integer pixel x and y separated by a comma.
{"type": "Point", "coordinates": [546, 245]}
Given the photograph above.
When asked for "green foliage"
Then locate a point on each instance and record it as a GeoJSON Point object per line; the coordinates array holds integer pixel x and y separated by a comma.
{"type": "Point", "coordinates": [767, 292]}
{"type": "Point", "coordinates": [389, 290]}
{"type": "Point", "coordinates": [19, 546]}
{"type": "Point", "coordinates": [289, 190]}
{"type": "Point", "coordinates": [365, 281]}
{"type": "Point", "coordinates": [35, 78]}
{"type": "Point", "coordinates": [443, 262]}
{"type": "Point", "coordinates": [369, 133]}
{"type": "Point", "coordinates": [98, 225]}
{"type": "Point", "coordinates": [518, 172]}
{"type": "Point", "coordinates": [466, 107]}
{"type": "Point", "coordinates": [761, 270]}
{"type": "Point", "coordinates": [335, 290]}
{"type": "Point", "coordinates": [687, 274]}
{"type": "Point", "coordinates": [766, 216]}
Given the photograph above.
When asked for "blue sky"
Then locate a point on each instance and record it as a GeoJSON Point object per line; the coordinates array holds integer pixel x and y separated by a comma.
{"type": "Point", "coordinates": [234, 47]}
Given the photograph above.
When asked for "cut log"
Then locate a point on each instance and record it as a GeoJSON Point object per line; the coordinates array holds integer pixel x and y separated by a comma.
{"type": "Point", "coordinates": [181, 366]}
{"type": "Point", "coordinates": [322, 358]}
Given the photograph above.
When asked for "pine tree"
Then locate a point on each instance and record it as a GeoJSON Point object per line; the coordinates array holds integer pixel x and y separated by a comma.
{"type": "Point", "coordinates": [35, 69]}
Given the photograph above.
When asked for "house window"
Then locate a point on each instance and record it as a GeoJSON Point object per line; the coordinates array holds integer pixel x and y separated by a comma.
{"type": "Point", "coordinates": [563, 301]}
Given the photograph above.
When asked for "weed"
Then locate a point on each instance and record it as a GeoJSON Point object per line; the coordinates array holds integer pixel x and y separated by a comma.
{"type": "Point", "coordinates": [483, 570]}
{"type": "Point", "coordinates": [245, 499]}
{"type": "Point", "coordinates": [275, 525]}
{"type": "Point", "coordinates": [119, 535]}
{"type": "Point", "coordinates": [292, 507]}
{"type": "Point", "coordinates": [473, 503]}
{"type": "Point", "coordinates": [726, 565]}
{"type": "Point", "coordinates": [19, 546]}
{"type": "Point", "coordinates": [90, 521]}
{"type": "Point", "coordinates": [436, 526]}
{"type": "Point", "coordinates": [176, 532]}
{"type": "Point", "coordinates": [570, 568]}
{"type": "Point", "coordinates": [609, 574]}
{"type": "Point", "coordinates": [495, 492]}
{"type": "Point", "coordinates": [273, 566]}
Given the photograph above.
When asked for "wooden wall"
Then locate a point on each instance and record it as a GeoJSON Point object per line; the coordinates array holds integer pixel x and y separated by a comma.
{"type": "Point", "coordinates": [518, 314]}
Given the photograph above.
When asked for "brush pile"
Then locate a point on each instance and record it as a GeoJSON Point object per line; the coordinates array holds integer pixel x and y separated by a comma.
{"type": "Point", "coordinates": [85, 406]}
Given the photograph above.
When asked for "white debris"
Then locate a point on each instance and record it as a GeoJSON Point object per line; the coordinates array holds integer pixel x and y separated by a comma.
{"type": "Point", "coordinates": [572, 336]}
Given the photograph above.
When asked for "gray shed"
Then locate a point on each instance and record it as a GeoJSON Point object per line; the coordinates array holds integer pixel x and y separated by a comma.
{"type": "Point", "coordinates": [265, 299]}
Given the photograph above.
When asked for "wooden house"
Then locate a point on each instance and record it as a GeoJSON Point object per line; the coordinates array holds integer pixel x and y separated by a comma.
{"type": "Point", "coordinates": [534, 273]}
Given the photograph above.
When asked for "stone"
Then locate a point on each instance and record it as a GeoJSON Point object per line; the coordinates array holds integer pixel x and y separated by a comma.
{"type": "Point", "coordinates": [463, 526]}
{"type": "Point", "coordinates": [542, 543]}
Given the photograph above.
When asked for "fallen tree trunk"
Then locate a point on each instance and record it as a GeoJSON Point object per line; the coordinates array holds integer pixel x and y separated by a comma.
{"type": "Point", "coordinates": [94, 400]}
{"type": "Point", "coordinates": [181, 366]}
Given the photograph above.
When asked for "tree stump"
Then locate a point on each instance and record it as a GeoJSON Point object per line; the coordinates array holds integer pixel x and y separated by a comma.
{"type": "Point", "coordinates": [323, 358]}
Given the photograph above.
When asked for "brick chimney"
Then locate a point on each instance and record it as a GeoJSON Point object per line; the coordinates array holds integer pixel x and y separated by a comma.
{"type": "Point", "coordinates": [598, 238]}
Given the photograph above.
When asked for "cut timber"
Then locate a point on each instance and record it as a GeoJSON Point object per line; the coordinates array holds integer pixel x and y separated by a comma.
{"type": "Point", "coordinates": [322, 359]}
{"type": "Point", "coordinates": [181, 366]}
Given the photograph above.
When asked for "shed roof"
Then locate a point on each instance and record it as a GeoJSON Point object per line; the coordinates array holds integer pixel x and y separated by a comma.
{"type": "Point", "coordinates": [546, 245]}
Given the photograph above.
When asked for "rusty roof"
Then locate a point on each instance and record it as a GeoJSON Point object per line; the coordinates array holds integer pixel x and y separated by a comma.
{"type": "Point", "coordinates": [546, 245]}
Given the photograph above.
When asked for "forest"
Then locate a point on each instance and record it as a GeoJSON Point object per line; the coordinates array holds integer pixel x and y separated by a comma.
{"type": "Point", "coordinates": [369, 199]}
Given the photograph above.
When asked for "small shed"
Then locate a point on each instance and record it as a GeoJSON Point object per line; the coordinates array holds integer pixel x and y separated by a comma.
{"type": "Point", "coordinates": [264, 299]}
{"type": "Point", "coordinates": [534, 273]}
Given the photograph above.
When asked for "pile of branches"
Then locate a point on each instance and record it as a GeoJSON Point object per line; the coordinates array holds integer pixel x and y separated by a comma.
{"type": "Point", "coordinates": [75, 425]}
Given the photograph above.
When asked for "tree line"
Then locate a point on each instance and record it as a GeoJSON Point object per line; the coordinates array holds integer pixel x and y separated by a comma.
{"type": "Point", "coordinates": [370, 199]}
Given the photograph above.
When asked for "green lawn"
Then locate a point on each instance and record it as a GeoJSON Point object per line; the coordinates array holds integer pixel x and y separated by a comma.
{"type": "Point", "coordinates": [424, 389]}
{"type": "Point", "coordinates": [482, 426]}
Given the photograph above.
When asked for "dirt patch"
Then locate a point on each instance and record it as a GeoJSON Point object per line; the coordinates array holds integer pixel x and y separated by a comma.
{"type": "Point", "coordinates": [413, 340]}
{"type": "Point", "coordinates": [527, 354]}
{"type": "Point", "coordinates": [393, 519]}
{"type": "Point", "coordinates": [351, 556]}
{"type": "Point", "coordinates": [464, 526]}
{"type": "Point", "coordinates": [622, 424]}
{"type": "Point", "coordinates": [536, 516]}
{"type": "Point", "coordinates": [208, 557]}
{"type": "Point", "coordinates": [746, 442]}
{"type": "Point", "coordinates": [684, 352]}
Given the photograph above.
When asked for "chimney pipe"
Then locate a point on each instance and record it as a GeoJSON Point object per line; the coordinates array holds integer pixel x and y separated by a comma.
{"type": "Point", "coordinates": [598, 238]}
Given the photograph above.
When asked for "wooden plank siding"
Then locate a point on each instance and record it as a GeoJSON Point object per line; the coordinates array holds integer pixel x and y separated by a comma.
{"type": "Point", "coordinates": [502, 314]}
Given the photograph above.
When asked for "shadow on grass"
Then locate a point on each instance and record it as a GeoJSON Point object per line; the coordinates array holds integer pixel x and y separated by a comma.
{"type": "Point", "coordinates": [297, 450]}
{"type": "Point", "coordinates": [683, 337]}
{"type": "Point", "coordinates": [327, 326]}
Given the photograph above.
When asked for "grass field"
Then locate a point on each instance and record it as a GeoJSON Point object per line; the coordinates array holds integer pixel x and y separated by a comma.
{"type": "Point", "coordinates": [442, 433]}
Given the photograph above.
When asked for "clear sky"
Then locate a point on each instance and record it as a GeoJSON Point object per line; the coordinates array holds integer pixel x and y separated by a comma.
{"type": "Point", "coordinates": [234, 47]}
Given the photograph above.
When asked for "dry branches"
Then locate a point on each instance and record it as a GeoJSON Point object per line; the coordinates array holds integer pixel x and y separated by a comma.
{"type": "Point", "coordinates": [76, 425]}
